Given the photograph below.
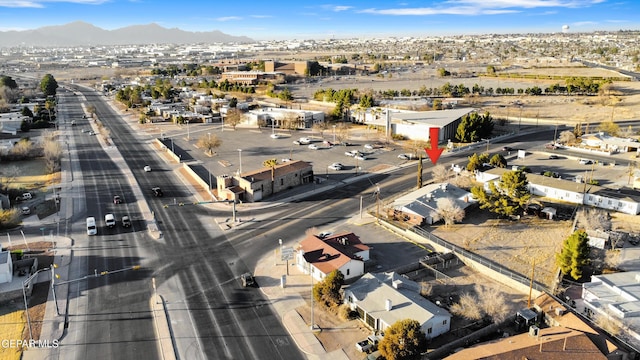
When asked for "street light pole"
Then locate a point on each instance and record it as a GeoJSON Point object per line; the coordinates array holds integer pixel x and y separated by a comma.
{"type": "Point", "coordinates": [334, 134]}
{"type": "Point", "coordinates": [240, 156]}
{"type": "Point", "coordinates": [188, 133]}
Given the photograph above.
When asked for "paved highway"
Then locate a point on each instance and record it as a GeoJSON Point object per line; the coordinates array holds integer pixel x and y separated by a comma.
{"type": "Point", "coordinates": [228, 321]}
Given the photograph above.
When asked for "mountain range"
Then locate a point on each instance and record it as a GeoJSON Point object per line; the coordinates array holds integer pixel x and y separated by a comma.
{"type": "Point", "coordinates": [80, 33]}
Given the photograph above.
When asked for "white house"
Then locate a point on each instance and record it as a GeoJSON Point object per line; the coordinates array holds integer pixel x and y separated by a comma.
{"type": "Point", "coordinates": [6, 267]}
{"type": "Point", "coordinates": [383, 299]}
{"type": "Point", "coordinates": [417, 205]}
{"type": "Point", "coordinates": [624, 201]}
{"type": "Point", "coordinates": [343, 252]}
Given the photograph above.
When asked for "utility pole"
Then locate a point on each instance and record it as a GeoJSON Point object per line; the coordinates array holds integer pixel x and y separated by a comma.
{"type": "Point", "coordinates": [533, 269]}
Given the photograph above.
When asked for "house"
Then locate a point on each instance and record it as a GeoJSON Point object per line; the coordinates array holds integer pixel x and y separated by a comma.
{"type": "Point", "coordinates": [627, 202]}
{"type": "Point", "coordinates": [564, 335]}
{"type": "Point", "coordinates": [386, 298]}
{"type": "Point", "coordinates": [616, 296]}
{"type": "Point", "coordinates": [6, 267]}
{"type": "Point", "coordinates": [343, 252]}
{"type": "Point", "coordinates": [416, 206]}
{"type": "Point", "coordinates": [256, 185]}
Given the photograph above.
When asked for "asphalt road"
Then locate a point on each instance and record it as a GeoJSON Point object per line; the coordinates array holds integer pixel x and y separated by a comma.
{"type": "Point", "coordinates": [229, 321]}
{"type": "Point", "coordinates": [108, 315]}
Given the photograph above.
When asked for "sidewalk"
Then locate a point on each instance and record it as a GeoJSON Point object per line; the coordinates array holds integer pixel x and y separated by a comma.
{"type": "Point", "coordinates": [285, 300]}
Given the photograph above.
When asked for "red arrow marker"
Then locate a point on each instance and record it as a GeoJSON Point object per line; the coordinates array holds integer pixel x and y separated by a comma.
{"type": "Point", "coordinates": [435, 152]}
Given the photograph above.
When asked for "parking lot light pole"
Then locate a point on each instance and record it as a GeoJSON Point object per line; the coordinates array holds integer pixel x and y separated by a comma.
{"type": "Point", "coordinates": [188, 133]}
{"type": "Point", "coordinates": [334, 134]}
{"type": "Point", "coordinates": [240, 156]}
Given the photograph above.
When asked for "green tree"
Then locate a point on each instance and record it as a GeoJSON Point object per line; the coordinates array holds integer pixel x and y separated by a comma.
{"type": "Point", "coordinates": [498, 160]}
{"type": "Point", "coordinates": [271, 163]}
{"type": "Point", "coordinates": [26, 112]}
{"type": "Point", "coordinates": [609, 127]}
{"type": "Point", "coordinates": [404, 340]}
{"type": "Point", "coordinates": [474, 127]}
{"type": "Point", "coordinates": [8, 82]}
{"type": "Point", "coordinates": [48, 85]}
{"type": "Point", "coordinates": [574, 254]}
{"type": "Point", "coordinates": [476, 161]}
{"type": "Point", "coordinates": [507, 197]}
{"type": "Point", "coordinates": [327, 291]}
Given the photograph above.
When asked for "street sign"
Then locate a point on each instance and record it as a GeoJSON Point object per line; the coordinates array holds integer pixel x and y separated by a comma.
{"type": "Point", "coordinates": [286, 253]}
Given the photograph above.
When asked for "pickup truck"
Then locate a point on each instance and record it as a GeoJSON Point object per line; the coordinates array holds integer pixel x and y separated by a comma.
{"type": "Point", "coordinates": [369, 344]}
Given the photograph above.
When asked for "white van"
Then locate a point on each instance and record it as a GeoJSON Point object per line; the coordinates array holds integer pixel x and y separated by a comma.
{"type": "Point", "coordinates": [110, 220]}
{"type": "Point", "coordinates": [91, 226]}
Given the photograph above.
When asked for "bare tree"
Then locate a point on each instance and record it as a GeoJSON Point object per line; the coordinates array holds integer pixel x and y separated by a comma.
{"type": "Point", "coordinates": [467, 307]}
{"type": "Point", "coordinates": [23, 149]}
{"type": "Point", "coordinates": [233, 118]}
{"type": "Point", "coordinates": [493, 303]}
{"type": "Point", "coordinates": [448, 211]}
{"type": "Point", "coordinates": [209, 143]}
{"type": "Point", "coordinates": [52, 155]}
{"type": "Point", "coordinates": [320, 128]}
{"type": "Point", "coordinates": [594, 219]}
{"type": "Point", "coordinates": [425, 289]}
{"type": "Point", "coordinates": [440, 173]}
{"type": "Point", "coordinates": [567, 137]}
{"type": "Point", "coordinates": [8, 175]}
{"type": "Point", "coordinates": [612, 259]}
{"type": "Point", "coordinates": [608, 323]}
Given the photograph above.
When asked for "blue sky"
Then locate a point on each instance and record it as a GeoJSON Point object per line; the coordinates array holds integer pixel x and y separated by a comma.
{"type": "Point", "coordinates": [275, 19]}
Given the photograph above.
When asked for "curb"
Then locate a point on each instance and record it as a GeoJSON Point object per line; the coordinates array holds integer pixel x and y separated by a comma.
{"type": "Point", "coordinates": [164, 334]}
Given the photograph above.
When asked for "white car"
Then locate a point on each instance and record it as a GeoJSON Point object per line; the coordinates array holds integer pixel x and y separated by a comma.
{"type": "Point", "coordinates": [360, 157]}
{"type": "Point", "coordinates": [304, 141]}
{"type": "Point", "coordinates": [275, 136]}
{"type": "Point", "coordinates": [313, 147]}
{"type": "Point", "coordinates": [285, 160]}
{"type": "Point", "coordinates": [147, 168]}
{"type": "Point", "coordinates": [336, 166]}
{"type": "Point", "coordinates": [26, 210]}
{"type": "Point", "coordinates": [368, 146]}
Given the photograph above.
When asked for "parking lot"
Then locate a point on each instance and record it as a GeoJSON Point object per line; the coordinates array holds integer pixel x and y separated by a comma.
{"type": "Point", "coordinates": [249, 148]}
{"type": "Point", "coordinates": [612, 172]}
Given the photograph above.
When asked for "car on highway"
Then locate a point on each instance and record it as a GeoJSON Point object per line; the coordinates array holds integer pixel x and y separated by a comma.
{"type": "Point", "coordinates": [110, 220]}
{"type": "Point", "coordinates": [126, 221]}
{"type": "Point", "coordinates": [336, 166]}
{"type": "Point", "coordinates": [117, 199]}
{"type": "Point", "coordinates": [157, 192]}
{"type": "Point", "coordinates": [147, 168]}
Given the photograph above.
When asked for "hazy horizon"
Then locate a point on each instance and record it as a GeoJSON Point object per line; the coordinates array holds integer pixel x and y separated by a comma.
{"type": "Point", "coordinates": [307, 20]}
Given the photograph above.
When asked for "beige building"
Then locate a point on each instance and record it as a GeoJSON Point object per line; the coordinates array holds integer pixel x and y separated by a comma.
{"type": "Point", "coordinates": [256, 185]}
{"type": "Point", "coordinates": [289, 68]}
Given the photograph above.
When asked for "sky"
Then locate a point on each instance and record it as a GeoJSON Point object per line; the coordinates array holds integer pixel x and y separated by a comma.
{"type": "Point", "coordinates": [287, 20]}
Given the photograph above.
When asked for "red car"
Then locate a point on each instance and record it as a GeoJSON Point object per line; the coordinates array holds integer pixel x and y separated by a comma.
{"type": "Point", "coordinates": [117, 199]}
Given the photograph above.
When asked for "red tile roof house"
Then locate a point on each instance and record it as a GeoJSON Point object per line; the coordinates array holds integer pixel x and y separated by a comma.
{"type": "Point", "coordinates": [344, 252]}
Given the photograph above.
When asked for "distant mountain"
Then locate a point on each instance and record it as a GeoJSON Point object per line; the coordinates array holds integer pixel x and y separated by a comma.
{"type": "Point", "coordinates": [81, 33]}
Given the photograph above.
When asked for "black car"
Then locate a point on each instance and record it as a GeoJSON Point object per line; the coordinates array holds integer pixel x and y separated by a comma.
{"type": "Point", "coordinates": [157, 191]}
{"type": "Point", "coordinates": [507, 148]}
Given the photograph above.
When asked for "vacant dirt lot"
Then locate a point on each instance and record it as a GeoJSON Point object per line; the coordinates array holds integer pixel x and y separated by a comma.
{"type": "Point", "coordinates": [514, 244]}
